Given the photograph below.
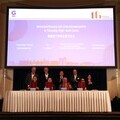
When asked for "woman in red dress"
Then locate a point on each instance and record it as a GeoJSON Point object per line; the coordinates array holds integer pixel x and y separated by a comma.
{"type": "Point", "coordinates": [82, 84]}
{"type": "Point", "coordinates": [49, 84]}
{"type": "Point", "coordinates": [33, 83]}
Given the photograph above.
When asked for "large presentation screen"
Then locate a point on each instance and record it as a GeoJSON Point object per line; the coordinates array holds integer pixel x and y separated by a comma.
{"type": "Point", "coordinates": [60, 37]}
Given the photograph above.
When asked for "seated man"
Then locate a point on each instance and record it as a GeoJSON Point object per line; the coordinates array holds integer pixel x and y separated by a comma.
{"type": "Point", "coordinates": [82, 84]}
{"type": "Point", "coordinates": [33, 83]}
{"type": "Point", "coordinates": [49, 84]}
{"type": "Point", "coordinates": [65, 84]}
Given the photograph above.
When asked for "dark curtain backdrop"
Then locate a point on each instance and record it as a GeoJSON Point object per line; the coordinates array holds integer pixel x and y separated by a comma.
{"type": "Point", "coordinates": [99, 76]}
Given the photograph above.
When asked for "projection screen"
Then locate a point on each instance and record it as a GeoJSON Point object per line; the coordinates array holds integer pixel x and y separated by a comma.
{"type": "Point", "coordinates": [60, 37]}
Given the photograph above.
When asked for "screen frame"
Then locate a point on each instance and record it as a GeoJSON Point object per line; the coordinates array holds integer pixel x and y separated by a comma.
{"type": "Point", "coordinates": [114, 25]}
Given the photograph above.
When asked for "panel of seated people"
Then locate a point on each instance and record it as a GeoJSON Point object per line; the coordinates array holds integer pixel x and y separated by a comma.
{"type": "Point", "coordinates": [47, 82]}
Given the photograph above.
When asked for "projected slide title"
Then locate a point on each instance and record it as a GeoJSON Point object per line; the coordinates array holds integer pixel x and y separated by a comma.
{"type": "Point", "coordinates": [86, 14]}
{"type": "Point", "coordinates": [60, 37]}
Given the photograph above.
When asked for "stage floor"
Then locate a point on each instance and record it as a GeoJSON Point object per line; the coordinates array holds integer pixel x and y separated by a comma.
{"type": "Point", "coordinates": [59, 116]}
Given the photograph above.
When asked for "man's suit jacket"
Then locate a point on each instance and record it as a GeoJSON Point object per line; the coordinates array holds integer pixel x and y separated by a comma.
{"type": "Point", "coordinates": [74, 81]}
{"type": "Point", "coordinates": [58, 82]}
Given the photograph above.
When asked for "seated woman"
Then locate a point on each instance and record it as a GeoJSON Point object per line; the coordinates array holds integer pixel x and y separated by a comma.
{"type": "Point", "coordinates": [49, 84]}
{"type": "Point", "coordinates": [65, 84]}
{"type": "Point", "coordinates": [33, 83]}
{"type": "Point", "coordinates": [82, 84]}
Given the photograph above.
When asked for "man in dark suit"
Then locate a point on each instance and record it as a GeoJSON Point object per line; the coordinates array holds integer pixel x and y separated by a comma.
{"type": "Point", "coordinates": [59, 80]}
{"type": "Point", "coordinates": [44, 77]}
{"type": "Point", "coordinates": [30, 76]}
{"type": "Point", "coordinates": [74, 79]}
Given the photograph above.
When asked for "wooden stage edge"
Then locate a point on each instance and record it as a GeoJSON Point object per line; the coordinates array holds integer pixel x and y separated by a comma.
{"type": "Point", "coordinates": [60, 116]}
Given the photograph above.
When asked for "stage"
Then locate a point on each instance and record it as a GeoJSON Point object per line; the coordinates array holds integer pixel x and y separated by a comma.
{"type": "Point", "coordinates": [60, 116]}
{"type": "Point", "coordinates": [13, 98]}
